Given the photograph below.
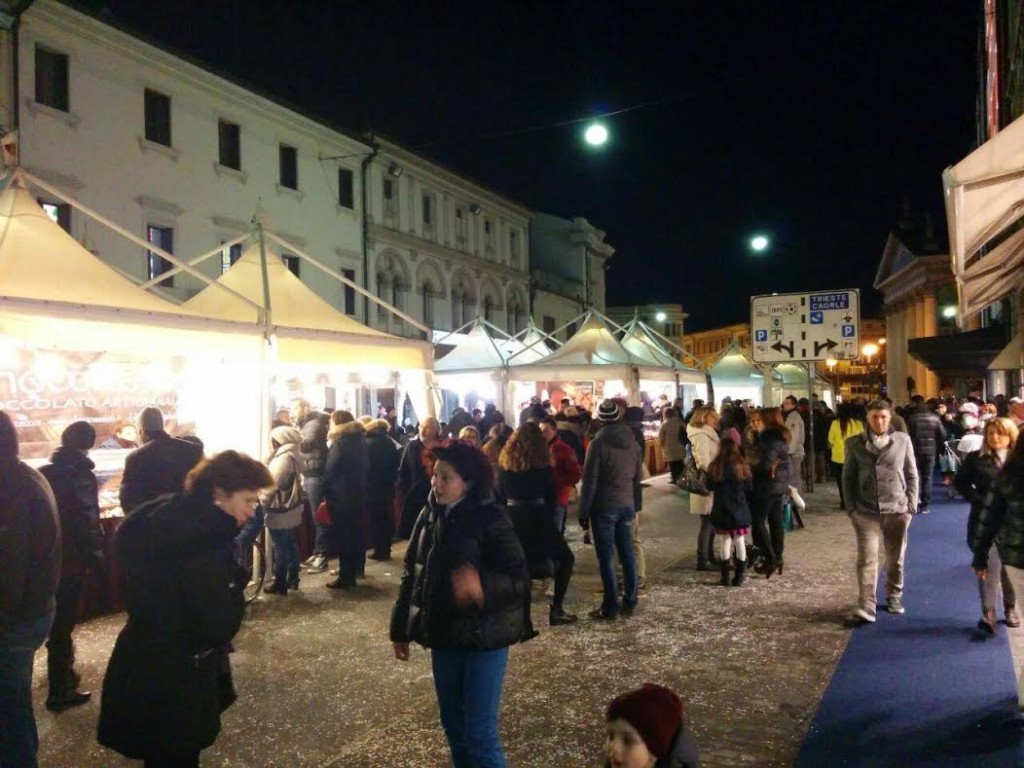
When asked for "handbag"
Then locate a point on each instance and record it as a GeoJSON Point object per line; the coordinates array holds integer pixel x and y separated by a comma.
{"type": "Point", "coordinates": [322, 516]}
{"type": "Point", "coordinates": [694, 479]}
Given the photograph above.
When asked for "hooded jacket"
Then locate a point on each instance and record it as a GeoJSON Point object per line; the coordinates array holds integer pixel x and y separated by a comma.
{"type": "Point", "coordinates": [30, 547]}
{"type": "Point", "coordinates": [314, 443]}
{"type": "Point", "coordinates": [346, 471]}
{"type": "Point", "coordinates": [612, 470]}
{"type": "Point", "coordinates": [283, 502]}
{"type": "Point", "coordinates": [162, 692]}
{"type": "Point", "coordinates": [70, 475]}
{"type": "Point", "coordinates": [771, 464]}
{"type": "Point", "coordinates": [471, 532]}
{"type": "Point", "coordinates": [383, 455]}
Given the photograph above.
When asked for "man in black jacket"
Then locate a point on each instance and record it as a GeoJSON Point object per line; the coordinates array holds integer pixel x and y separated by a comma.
{"type": "Point", "coordinates": [159, 466]}
{"type": "Point", "coordinates": [383, 454]}
{"type": "Point", "coordinates": [74, 485]}
{"type": "Point", "coordinates": [927, 435]}
{"type": "Point", "coordinates": [30, 553]}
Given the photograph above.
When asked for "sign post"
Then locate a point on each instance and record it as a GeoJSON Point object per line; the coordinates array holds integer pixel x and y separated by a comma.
{"type": "Point", "coordinates": [805, 328]}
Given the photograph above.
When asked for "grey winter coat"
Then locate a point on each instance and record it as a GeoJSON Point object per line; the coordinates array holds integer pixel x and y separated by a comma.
{"type": "Point", "coordinates": [611, 470]}
{"type": "Point", "coordinates": [283, 504]}
{"type": "Point", "coordinates": [880, 482]}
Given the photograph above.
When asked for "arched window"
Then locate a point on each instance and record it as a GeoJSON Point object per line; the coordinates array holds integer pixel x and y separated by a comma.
{"type": "Point", "coordinates": [458, 306]}
{"type": "Point", "coordinates": [396, 289]}
{"type": "Point", "coordinates": [487, 308]}
{"type": "Point", "coordinates": [428, 305]}
{"type": "Point", "coordinates": [514, 316]}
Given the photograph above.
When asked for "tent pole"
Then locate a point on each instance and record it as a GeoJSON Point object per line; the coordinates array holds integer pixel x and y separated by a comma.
{"type": "Point", "coordinates": [812, 459]}
{"type": "Point", "coordinates": [267, 325]}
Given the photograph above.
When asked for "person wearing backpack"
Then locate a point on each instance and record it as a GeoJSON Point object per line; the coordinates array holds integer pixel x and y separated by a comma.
{"type": "Point", "coordinates": [283, 505]}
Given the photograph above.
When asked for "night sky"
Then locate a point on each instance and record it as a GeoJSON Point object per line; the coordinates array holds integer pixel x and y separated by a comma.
{"type": "Point", "coordinates": [810, 121]}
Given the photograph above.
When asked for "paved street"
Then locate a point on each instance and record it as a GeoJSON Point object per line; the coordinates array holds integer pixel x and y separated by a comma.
{"type": "Point", "coordinates": [318, 686]}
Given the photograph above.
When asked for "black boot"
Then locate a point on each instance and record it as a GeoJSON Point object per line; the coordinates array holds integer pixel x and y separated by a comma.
{"type": "Point", "coordinates": [724, 565]}
{"type": "Point", "coordinates": [276, 588]}
{"type": "Point", "coordinates": [558, 616]}
{"type": "Point", "coordinates": [702, 561]}
{"type": "Point", "coordinates": [741, 573]}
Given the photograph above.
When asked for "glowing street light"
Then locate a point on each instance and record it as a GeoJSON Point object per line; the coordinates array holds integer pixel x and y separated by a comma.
{"type": "Point", "coordinates": [869, 350]}
{"type": "Point", "coordinates": [660, 317]}
{"type": "Point", "coordinates": [949, 312]}
{"type": "Point", "coordinates": [596, 135]}
{"type": "Point", "coordinates": [759, 243]}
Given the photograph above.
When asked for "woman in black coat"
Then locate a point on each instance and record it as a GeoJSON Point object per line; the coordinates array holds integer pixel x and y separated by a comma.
{"type": "Point", "coordinates": [973, 481]}
{"type": "Point", "coordinates": [169, 677]}
{"type": "Point", "coordinates": [526, 480]}
{"type": "Point", "coordinates": [463, 596]}
{"type": "Point", "coordinates": [345, 477]}
{"type": "Point", "coordinates": [771, 468]}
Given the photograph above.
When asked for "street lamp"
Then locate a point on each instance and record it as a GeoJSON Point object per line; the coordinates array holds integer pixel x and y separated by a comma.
{"type": "Point", "coordinates": [596, 135]}
{"type": "Point", "coordinates": [660, 317]}
{"type": "Point", "coordinates": [949, 312]}
{"type": "Point", "coordinates": [759, 243]}
{"type": "Point", "coordinates": [831, 362]}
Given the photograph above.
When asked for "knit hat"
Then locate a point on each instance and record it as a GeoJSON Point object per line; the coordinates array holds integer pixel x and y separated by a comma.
{"type": "Point", "coordinates": [969, 408]}
{"type": "Point", "coordinates": [608, 411]}
{"type": "Point", "coordinates": [79, 435]}
{"type": "Point", "coordinates": [733, 434]}
{"type": "Point", "coordinates": [654, 711]}
{"type": "Point", "coordinates": [151, 420]}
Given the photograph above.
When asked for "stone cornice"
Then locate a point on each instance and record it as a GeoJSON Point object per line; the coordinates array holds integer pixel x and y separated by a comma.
{"type": "Point", "coordinates": [390, 237]}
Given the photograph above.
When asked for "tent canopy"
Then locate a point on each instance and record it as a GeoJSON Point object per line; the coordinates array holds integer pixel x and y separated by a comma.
{"type": "Point", "coordinates": [984, 199]}
{"type": "Point", "coordinates": [592, 352]}
{"type": "Point", "coordinates": [308, 329]}
{"type": "Point", "coordinates": [474, 352]}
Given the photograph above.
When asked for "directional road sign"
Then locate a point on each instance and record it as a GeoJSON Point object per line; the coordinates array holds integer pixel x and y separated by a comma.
{"type": "Point", "coordinates": [791, 327]}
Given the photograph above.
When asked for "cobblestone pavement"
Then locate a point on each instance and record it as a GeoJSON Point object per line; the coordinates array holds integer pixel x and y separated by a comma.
{"type": "Point", "coordinates": [318, 685]}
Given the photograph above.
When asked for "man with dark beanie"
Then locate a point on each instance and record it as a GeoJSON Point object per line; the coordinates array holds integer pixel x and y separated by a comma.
{"type": "Point", "coordinates": [647, 729]}
{"type": "Point", "coordinates": [71, 477]}
{"type": "Point", "coordinates": [159, 465]}
{"type": "Point", "coordinates": [30, 553]}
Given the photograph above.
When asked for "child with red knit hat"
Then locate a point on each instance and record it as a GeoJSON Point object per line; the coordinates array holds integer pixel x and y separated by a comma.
{"type": "Point", "coordinates": [647, 729]}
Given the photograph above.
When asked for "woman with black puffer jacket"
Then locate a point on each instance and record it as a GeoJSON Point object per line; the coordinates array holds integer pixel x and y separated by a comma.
{"type": "Point", "coordinates": [463, 596]}
{"type": "Point", "coordinates": [973, 481]}
{"type": "Point", "coordinates": [772, 478]}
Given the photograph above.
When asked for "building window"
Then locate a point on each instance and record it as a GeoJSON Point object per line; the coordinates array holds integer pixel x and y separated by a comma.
{"type": "Point", "coordinates": [428, 305]}
{"type": "Point", "coordinates": [389, 197]}
{"type": "Point", "coordinates": [460, 224]}
{"type": "Point", "coordinates": [488, 235]}
{"type": "Point", "coordinates": [230, 143]}
{"type": "Point", "coordinates": [158, 118]}
{"type": "Point", "coordinates": [229, 256]}
{"type": "Point", "coordinates": [161, 237]}
{"type": "Point", "coordinates": [396, 289]}
{"type": "Point", "coordinates": [514, 318]}
{"type": "Point", "coordinates": [292, 262]}
{"type": "Point", "coordinates": [52, 79]}
{"type": "Point", "coordinates": [548, 324]}
{"type": "Point", "coordinates": [488, 307]}
{"type": "Point", "coordinates": [350, 292]}
{"type": "Point", "coordinates": [289, 161]}
{"type": "Point", "coordinates": [427, 213]}
{"type": "Point", "coordinates": [513, 247]}
{"type": "Point", "coordinates": [59, 213]}
{"type": "Point", "coordinates": [346, 188]}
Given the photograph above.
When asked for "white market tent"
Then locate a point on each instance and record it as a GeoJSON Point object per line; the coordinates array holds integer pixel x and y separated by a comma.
{"type": "Point", "coordinates": [595, 353]}
{"type": "Point", "coordinates": [984, 206]}
{"type": "Point", "coordinates": [735, 375]}
{"type": "Point", "coordinates": [305, 330]}
{"type": "Point", "coordinates": [78, 322]}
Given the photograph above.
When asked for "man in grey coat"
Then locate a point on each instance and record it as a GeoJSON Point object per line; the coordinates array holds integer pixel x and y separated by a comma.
{"type": "Point", "coordinates": [880, 485]}
{"type": "Point", "coordinates": [610, 497]}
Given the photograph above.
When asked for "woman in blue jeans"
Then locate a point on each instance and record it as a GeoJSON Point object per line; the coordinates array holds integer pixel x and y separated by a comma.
{"type": "Point", "coordinates": [283, 505]}
{"type": "Point", "coordinates": [463, 596]}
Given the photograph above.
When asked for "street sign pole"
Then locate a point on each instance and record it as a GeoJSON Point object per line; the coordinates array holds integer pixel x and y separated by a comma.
{"type": "Point", "coordinates": [812, 460]}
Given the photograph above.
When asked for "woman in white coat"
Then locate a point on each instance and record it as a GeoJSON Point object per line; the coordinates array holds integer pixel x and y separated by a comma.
{"type": "Point", "coordinates": [702, 432]}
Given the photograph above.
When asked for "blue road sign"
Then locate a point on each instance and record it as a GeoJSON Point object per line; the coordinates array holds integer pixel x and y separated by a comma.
{"type": "Point", "coordinates": [761, 336]}
{"type": "Point", "coordinates": [848, 331]}
{"type": "Point", "coordinates": [817, 318]}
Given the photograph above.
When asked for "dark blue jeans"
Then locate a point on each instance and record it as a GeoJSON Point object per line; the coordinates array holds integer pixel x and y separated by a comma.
{"type": "Point", "coordinates": [19, 739]}
{"type": "Point", "coordinates": [613, 530]}
{"type": "Point", "coordinates": [286, 555]}
{"type": "Point", "coordinates": [468, 685]}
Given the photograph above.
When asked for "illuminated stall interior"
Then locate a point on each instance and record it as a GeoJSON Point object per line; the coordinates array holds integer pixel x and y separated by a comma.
{"type": "Point", "coordinates": [734, 375]}
{"type": "Point", "coordinates": [794, 382]}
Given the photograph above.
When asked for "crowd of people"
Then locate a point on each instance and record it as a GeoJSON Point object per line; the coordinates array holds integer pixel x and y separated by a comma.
{"type": "Point", "coordinates": [484, 507]}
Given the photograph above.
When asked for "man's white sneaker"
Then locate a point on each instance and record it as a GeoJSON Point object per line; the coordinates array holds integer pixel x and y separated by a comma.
{"type": "Point", "coordinates": [863, 616]}
{"type": "Point", "coordinates": [895, 605]}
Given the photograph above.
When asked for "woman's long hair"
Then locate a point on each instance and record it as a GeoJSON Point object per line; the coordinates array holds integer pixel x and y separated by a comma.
{"type": "Point", "coordinates": [772, 419]}
{"type": "Point", "coordinates": [1000, 426]}
{"type": "Point", "coordinates": [729, 456]}
{"type": "Point", "coordinates": [525, 449]}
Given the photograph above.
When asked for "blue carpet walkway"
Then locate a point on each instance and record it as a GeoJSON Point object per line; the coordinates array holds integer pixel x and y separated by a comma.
{"type": "Point", "coordinates": [926, 688]}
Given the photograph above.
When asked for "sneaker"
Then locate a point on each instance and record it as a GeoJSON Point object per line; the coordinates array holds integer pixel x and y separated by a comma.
{"type": "Point", "coordinates": [311, 559]}
{"type": "Point", "coordinates": [1012, 617]}
{"type": "Point", "coordinates": [895, 605]}
{"type": "Point", "coordinates": [925, 510]}
{"type": "Point", "coordinates": [862, 616]}
{"type": "Point", "coordinates": [319, 565]}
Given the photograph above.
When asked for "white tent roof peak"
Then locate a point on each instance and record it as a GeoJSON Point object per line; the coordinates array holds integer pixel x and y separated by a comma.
{"type": "Point", "coordinates": [39, 260]}
{"type": "Point", "coordinates": [473, 351]}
